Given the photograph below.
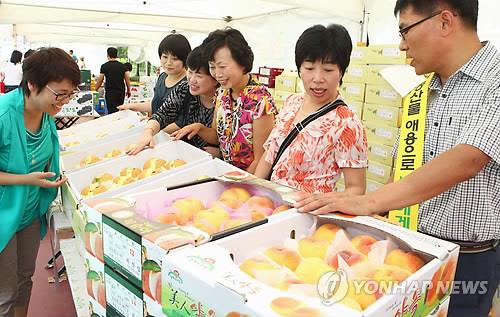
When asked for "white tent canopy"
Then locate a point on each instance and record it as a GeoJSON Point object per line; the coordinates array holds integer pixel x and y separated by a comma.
{"type": "Point", "coordinates": [270, 26]}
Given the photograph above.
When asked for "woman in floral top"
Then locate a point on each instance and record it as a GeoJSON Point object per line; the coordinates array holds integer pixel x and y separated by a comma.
{"type": "Point", "coordinates": [244, 114]}
{"type": "Point", "coordinates": [331, 145]}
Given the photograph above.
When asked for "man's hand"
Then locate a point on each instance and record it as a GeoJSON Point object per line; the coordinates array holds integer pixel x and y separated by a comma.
{"type": "Point", "coordinates": [318, 204]}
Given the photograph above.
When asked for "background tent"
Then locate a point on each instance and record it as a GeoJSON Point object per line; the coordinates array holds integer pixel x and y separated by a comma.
{"type": "Point", "coordinates": [271, 26]}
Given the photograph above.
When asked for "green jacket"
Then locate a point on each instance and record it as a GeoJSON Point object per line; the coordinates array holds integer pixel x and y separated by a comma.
{"type": "Point", "coordinates": [13, 159]}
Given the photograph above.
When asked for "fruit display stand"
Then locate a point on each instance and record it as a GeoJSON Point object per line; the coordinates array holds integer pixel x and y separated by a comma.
{"type": "Point", "coordinates": [274, 270]}
{"type": "Point", "coordinates": [132, 234]}
{"type": "Point", "coordinates": [203, 170]}
{"type": "Point", "coordinates": [113, 147]}
{"type": "Point", "coordinates": [78, 180]}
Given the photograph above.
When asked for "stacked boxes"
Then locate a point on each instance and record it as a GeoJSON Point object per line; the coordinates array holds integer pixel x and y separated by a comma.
{"type": "Point", "coordinates": [287, 84]}
{"type": "Point", "coordinates": [381, 106]}
{"type": "Point", "coordinates": [267, 75]}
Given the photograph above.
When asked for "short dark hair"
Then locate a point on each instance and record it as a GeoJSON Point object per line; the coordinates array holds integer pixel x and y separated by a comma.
{"type": "Point", "coordinates": [177, 45]}
{"type": "Point", "coordinates": [16, 57]}
{"type": "Point", "coordinates": [466, 9]}
{"type": "Point", "coordinates": [28, 53]}
{"type": "Point", "coordinates": [330, 44]}
{"type": "Point", "coordinates": [112, 52]}
{"type": "Point", "coordinates": [47, 65]}
{"type": "Point", "coordinates": [198, 61]}
{"type": "Point", "coordinates": [235, 42]}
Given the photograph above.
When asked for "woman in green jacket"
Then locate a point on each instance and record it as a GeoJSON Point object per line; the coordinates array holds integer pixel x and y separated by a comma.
{"type": "Point", "coordinates": [29, 168]}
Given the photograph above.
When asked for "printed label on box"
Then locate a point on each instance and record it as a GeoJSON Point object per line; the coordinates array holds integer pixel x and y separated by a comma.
{"type": "Point", "coordinates": [383, 133]}
{"type": "Point", "coordinates": [122, 299]}
{"type": "Point", "coordinates": [389, 94]}
{"type": "Point", "coordinates": [384, 113]}
{"type": "Point", "coordinates": [391, 52]}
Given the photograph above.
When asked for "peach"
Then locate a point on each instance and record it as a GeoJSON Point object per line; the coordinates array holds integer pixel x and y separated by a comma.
{"type": "Point", "coordinates": [131, 172]}
{"type": "Point", "coordinates": [406, 260]}
{"type": "Point", "coordinates": [284, 306]}
{"type": "Point", "coordinates": [101, 178]}
{"type": "Point", "coordinates": [257, 215]}
{"type": "Point", "coordinates": [167, 218]}
{"type": "Point", "coordinates": [186, 208]}
{"type": "Point", "coordinates": [310, 247]}
{"type": "Point", "coordinates": [433, 290]}
{"type": "Point", "coordinates": [361, 296]}
{"type": "Point", "coordinates": [387, 276]}
{"type": "Point", "coordinates": [205, 227]}
{"type": "Point", "coordinates": [285, 284]}
{"type": "Point", "coordinates": [351, 258]}
{"type": "Point", "coordinates": [311, 269]}
{"type": "Point", "coordinates": [447, 276]}
{"type": "Point", "coordinates": [93, 190]}
{"type": "Point", "coordinates": [99, 253]}
{"type": "Point", "coordinates": [149, 172]}
{"type": "Point", "coordinates": [228, 203]}
{"type": "Point", "coordinates": [284, 257]}
{"type": "Point", "coordinates": [90, 290]}
{"type": "Point", "coordinates": [281, 208]}
{"type": "Point", "coordinates": [113, 153]}
{"type": "Point", "coordinates": [215, 217]}
{"type": "Point", "coordinates": [232, 223]}
{"type": "Point", "coordinates": [89, 159]}
{"type": "Point", "coordinates": [363, 243]}
{"type": "Point", "coordinates": [101, 295]}
{"type": "Point", "coordinates": [237, 193]}
{"type": "Point", "coordinates": [123, 180]}
{"type": "Point", "coordinates": [326, 232]}
{"type": "Point", "coordinates": [154, 163]}
{"type": "Point", "coordinates": [176, 163]}
{"type": "Point", "coordinates": [260, 202]}
{"type": "Point", "coordinates": [306, 312]}
{"type": "Point", "coordinates": [249, 265]}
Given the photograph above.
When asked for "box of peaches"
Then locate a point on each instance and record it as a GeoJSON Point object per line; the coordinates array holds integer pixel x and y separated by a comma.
{"type": "Point", "coordinates": [140, 229]}
{"type": "Point", "coordinates": [303, 265]}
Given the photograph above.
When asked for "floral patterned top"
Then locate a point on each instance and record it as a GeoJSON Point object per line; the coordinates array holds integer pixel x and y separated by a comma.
{"type": "Point", "coordinates": [312, 162]}
{"type": "Point", "coordinates": [235, 121]}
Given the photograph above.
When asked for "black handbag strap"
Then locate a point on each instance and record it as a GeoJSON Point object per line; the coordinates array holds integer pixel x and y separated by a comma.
{"type": "Point", "coordinates": [301, 125]}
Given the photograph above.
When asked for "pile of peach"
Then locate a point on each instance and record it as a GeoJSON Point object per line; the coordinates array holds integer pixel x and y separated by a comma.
{"type": "Point", "coordinates": [92, 159]}
{"type": "Point", "coordinates": [106, 181]}
{"type": "Point", "coordinates": [234, 207]}
{"type": "Point", "coordinates": [298, 267]}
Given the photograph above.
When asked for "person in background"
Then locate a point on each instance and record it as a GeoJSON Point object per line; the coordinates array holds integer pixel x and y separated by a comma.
{"type": "Point", "coordinates": [331, 145]}
{"type": "Point", "coordinates": [73, 56]}
{"type": "Point", "coordinates": [458, 185]}
{"type": "Point", "coordinates": [173, 52]}
{"type": "Point", "coordinates": [81, 63]}
{"type": "Point", "coordinates": [13, 71]}
{"type": "Point", "coordinates": [189, 102]}
{"type": "Point", "coordinates": [128, 66]}
{"type": "Point", "coordinates": [29, 168]}
{"type": "Point", "coordinates": [28, 53]}
{"type": "Point", "coordinates": [117, 78]}
{"type": "Point", "coordinates": [245, 110]}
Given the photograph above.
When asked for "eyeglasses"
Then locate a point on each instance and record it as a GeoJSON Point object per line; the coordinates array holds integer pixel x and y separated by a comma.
{"type": "Point", "coordinates": [63, 96]}
{"type": "Point", "coordinates": [404, 31]}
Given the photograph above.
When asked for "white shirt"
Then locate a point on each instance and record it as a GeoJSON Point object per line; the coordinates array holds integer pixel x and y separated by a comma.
{"type": "Point", "coordinates": [13, 74]}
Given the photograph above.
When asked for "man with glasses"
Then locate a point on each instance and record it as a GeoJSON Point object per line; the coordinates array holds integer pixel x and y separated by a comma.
{"type": "Point", "coordinates": [459, 184]}
{"type": "Point", "coordinates": [29, 168]}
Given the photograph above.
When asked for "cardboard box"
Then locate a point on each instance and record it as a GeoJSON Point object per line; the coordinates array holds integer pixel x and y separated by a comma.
{"type": "Point", "coordinates": [381, 134]}
{"type": "Point", "coordinates": [124, 299]}
{"type": "Point", "coordinates": [71, 160]}
{"type": "Point", "coordinates": [359, 55]}
{"type": "Point", "coordinates": [353, 91]}
{"type": "Point", "coordinates": [380, 153]}
{"type": "Point", "coordinates": [373, 76]}
{"type": "Point", "coordinates": [355, 74]}
{"type": "Point", "coordinates": [382, 114]}
{"type": "Point", "coordinates": [135, 242]}
{"type": "Point", "coordinates": [95, 284]}
{"type": "Point", "coordinates": [82, 105]}
{"type": "Point", "coordinates": [210, 277]}
{"type": "Point", "coordinates": [280, 96]}
{"type": "Point", "coordinates": [169, 151]}
{"type": "Point", "coordinates": [80, 140]}
{"type": "Point", "coordinates": [385, 54]}
{"type": "Point", "coordinates": [372, 185]}
{"type": "Point", "coordinates": [287, 81]}
{"type": "Point", "coordinates": [268, 81]}
{"type": "Point", "coordinates": [356, 107]}
{"type": "Point", "coordinates": [379, 172]}
{"type": "Point", "coordinates": [383, 95]}
{"type": "Point", "coordinates": [270, 71]}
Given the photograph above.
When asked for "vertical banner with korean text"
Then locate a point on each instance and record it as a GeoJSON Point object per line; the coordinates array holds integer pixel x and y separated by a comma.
{"type": "Point", "coordinates": [411, 147]}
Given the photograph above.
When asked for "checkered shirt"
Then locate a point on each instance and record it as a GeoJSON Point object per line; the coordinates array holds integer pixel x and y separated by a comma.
{"type": "Point", "coordinates": [466, 110]}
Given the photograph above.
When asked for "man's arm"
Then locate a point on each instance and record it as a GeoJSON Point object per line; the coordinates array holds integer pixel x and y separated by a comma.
{"type": "Point", "coordinates": [437, 176]}
{"type": "Point", "coordinates": [99, 81]}
{"type": "Point", "coordinates": [127, 83]}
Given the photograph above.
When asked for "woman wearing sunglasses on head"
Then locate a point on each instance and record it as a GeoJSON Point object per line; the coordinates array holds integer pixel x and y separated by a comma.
{"type": "Point", "coordinates": [29, 168]}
